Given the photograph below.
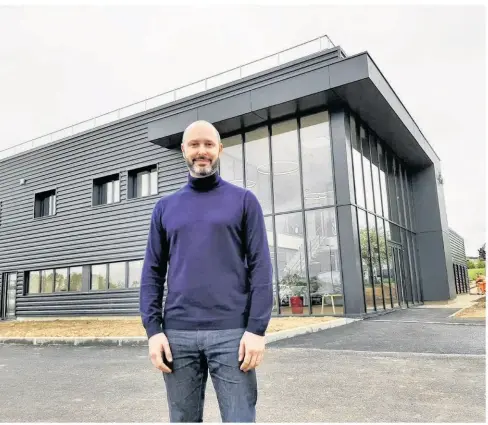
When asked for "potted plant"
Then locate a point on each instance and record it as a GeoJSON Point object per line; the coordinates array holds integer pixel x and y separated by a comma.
{"type": "Point", "coordinates": [297, 286]}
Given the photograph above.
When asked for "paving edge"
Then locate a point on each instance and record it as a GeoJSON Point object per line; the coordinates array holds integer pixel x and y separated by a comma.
{"type": "Point", "coordinates": [142, 341]}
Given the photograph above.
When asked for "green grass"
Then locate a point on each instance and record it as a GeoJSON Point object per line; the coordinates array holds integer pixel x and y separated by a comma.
{"type": "Point", "coordinates": [473, 272]}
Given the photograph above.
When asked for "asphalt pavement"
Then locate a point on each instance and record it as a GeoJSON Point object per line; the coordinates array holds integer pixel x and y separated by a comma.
{"type": "Point", "coordinates": [397, 370]}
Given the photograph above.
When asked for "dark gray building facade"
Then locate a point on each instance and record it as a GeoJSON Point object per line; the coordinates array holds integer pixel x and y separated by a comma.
{"type": "Point", "coordinates": [459, 262]}
{"type": "Point", "coordinates": [351, 192]}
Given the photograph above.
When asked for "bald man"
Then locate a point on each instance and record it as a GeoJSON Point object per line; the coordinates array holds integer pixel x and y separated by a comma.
{"type": "Point", "coordinates": [210, 239]}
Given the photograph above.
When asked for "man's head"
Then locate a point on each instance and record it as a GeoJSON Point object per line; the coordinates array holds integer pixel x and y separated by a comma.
{"type": "Point", "coordinates": [201, 147]}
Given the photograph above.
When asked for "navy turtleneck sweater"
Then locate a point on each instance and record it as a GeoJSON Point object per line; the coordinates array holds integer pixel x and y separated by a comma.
{"type": "Point", "coordinates": [208, 240]}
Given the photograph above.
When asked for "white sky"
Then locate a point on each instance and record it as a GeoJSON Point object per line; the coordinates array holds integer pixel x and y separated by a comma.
{"type": "Point", "coordinates": [62, 65]}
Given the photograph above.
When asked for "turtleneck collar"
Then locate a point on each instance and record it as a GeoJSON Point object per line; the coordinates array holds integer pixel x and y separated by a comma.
{"type": "Point", "coordinates": [204, 183]}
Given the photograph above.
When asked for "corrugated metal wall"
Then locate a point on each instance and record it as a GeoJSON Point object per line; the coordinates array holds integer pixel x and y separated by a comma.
{"type": "Point", "coordinates": [80, 234]}
{"type": "Point", "coordinates": [458, 250]}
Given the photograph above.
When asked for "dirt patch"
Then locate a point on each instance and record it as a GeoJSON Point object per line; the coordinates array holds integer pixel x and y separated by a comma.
{"type": "Point", "coordinates": [117, 327]}
{"type": "Point", "coordinates": [476, 311]}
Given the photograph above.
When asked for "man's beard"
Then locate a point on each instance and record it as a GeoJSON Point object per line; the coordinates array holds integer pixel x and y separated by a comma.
{"type": "Point", "coordinates": [200, 171]}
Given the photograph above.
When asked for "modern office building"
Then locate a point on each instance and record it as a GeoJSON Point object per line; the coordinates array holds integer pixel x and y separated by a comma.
{"type": "Point", "coordinates": [459, 262]}
{"type": "Point", "coordinates": [351, 191]}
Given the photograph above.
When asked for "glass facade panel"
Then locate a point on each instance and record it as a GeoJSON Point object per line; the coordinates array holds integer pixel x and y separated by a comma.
{"type": "Point", "coordinates": [383, 174]}
{"type": "Point", "coordinates": [368, 182]}
{"type": "Point", "coordinates": [375, 262]}
{"type": "Point", "coordinates": [318, 182]}
{"type": "Point", "coordinates": [11, 293]}
{"type": "Point", "coordinates": [406, 267]}
{"type": "Point", "coordinates": [324, 266]}
{"type": "Point", "coordinates": [116, 273]}
{"type": "Point", "coordinates": [357, 164]}
{"type": "Point", "coordinates": [268, 222]}
{"type": "Point", "coordinates": [61, 283]}
{"type": "Point", "coordinates": [392, 192]}
{"type": "Point", "coordinates": [376, 176]}
{"type": "Point", "coordinates": [47, 281]}
{"type": "Point", "coordinates": [231, 163]}
{"type": "Point", "coordinates": [75, 278]}
{"type": "Point", "coordinates": [34, 282]}
{"type": "Point", "coordinates": [286, 170]}
{"type": "Point", "coordinates": [99, 277]}
{"type": "Point", "coordinates": [116, 190]}
{"type": "Point", "coordinates": [415, 264]}
{"type": "Point", "coordinates": [135, 271]}
{"type": "Point", "coordinates": [291, 260]}
{"type": "Point", "coordinates": [401, 194]}
{"type": "Point", "coordinates": [365, 260]}
{"type": "Point", "coordinates": [383, 257]}
{"type": "Point", "coordinates": [258, 178]}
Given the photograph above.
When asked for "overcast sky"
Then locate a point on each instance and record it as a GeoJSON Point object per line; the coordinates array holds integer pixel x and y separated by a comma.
{"type": "Point", "coordinates": [62, 65]}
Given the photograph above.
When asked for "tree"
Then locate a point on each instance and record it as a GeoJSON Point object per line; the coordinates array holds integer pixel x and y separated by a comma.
{"type": "Point", "coordinates": [481, 264]}
{"type": "Point", "coordinates": [482, 253]}
{"type": "Point", "coordinates": [471, 264]}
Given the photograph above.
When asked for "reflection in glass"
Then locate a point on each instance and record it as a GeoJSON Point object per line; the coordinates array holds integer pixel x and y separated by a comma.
{"type": "Point", "coordinates": [34, 282]}
{"type": "Point", "coordinates": [268, 222]}
{"type": "Point", "coordinates": [47, 281]}
{"type": "Point", "coordinates": [400, 193]}
{"type": "Point", "coordinates": [291, 260]}
{"type": "Point", "coordinates": [324, 267]}
{"type": "Point", "coordinates": [286, 173]}
{"type": "Point", "coordinates": [116, 273]}
{"type": "Point", "coordinates": [357, 164]}
{"type": "Point", "coordinates": [75, 278]}
{"type": "Point", "coordinates": [384, 262]}
{"type": "Point", "coordinates": [392, 190]}
{"type": "Point", "coordinates": [383, 173]}
{"type": "Point", "coordinates": [414, 245]}
{"type": "Point", "coordinates": [257, 162]}
{"type": "Point", "coordinates": [318, 183]}
{"type": "Point", "coordinates": [365, 258]}
{"type": "Point", "coordinates": [231, 164]}
{"type": "Point", "coordinates": [368, 183]}
{"type": "Point", "coordinates": [11, 293]}
{"type": "Point", "coordinates": [61, 277]}
{"type": "Point", "coordinates": [406, 268]}
{"type": "Point", "coordinates": [135, 270]}
{"type": "Point", "coordinates": [375, 261]}
{"type": "Point", "coordinates": [376, 175]}
{"type": "Point", "coordinates": [99, 277]}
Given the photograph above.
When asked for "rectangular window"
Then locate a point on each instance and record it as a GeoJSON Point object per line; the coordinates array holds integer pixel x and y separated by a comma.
{"type": "Point", "coordinates": [45, 203]}
{"type": "Point", "coordinates": [61, 280]}
{"type": "Point", "coordinates": [135, 270]}
{"type": "Point", "coordinates": [34, 282]}
{"type": "Point", "coordinates": [75, 278]}
{"type": "Point", "coordinates": [47, 281]}
{"type": "Point", "coordinates": [106, 190]}
{"type": "Point", "coordinates": [98, 277]}
{"type": "Point", "coordinates": [116, 276]}
{"type": "Point", "coordinates": [143, 182]}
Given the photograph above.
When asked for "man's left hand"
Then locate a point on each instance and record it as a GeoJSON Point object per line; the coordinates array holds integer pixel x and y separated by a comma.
{"type": "Point", "coordinates": [251, 349]}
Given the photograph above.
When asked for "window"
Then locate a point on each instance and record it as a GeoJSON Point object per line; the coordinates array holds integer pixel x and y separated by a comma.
{"type": "Point", "coordinates": [45, 204]}
{"type": "Point", "coordinates": [106, 190]}
{"type": "Point", "coordinates": [54, 280]}
{"type": "Point", "coordinates": [116, 273]}
{"type": "Point", "coordinates": [143, 182]}
{"type": "Point", "coordinates": [98, 277]}
{"type": "Point", "coordinates": [135, 271]}
{"type": "Point", "coordinates": [231, 163]}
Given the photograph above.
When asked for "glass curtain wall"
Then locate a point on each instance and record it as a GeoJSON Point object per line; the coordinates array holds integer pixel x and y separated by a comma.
{"type": "Point", "coordinates": [288, 166]}
{"type": "Point", "coordinates": [383, 196]}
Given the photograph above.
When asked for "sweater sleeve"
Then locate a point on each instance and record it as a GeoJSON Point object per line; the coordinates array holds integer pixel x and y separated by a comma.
{"type": "Point", "coordinates": [154, 275]}
{"type": "Point", "coordinates": [259, 266]}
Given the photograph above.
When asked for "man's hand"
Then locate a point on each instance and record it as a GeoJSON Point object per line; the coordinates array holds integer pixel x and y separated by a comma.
{"type": "Point", "coordinates": [157, 345]}
{"type": "Point", "coordinates": [251, 349]}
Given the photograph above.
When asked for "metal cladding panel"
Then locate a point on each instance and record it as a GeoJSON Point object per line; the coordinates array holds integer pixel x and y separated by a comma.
{"type": "Point", "coordinates": [458, 250]}
{"type": "Point", "coordinates": [80, 233]}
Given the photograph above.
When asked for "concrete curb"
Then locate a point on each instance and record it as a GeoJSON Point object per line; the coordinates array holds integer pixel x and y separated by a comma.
{"type": "Point", "coordinates": [142, 341]}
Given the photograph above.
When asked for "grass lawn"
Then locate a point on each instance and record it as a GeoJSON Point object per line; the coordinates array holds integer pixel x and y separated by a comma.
{"type": "Point", "coordinates": [473, 272]}
{"type": "Point", "coordinates": [118, 327]}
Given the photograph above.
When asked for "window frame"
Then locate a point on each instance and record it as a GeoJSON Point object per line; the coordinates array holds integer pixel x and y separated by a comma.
{"type": "Point", "coordinates": [132, 178]}
{"type": "Point", "coordinates": [98, 183]}
{"type": "Point", "coordinates": [38, 203]}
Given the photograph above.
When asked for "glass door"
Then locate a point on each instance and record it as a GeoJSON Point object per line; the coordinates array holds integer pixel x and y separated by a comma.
{"type": "Point", "coordinates": [7, 296]}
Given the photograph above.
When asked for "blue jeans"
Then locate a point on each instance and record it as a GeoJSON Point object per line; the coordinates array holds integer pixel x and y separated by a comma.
{"type": "Point", "coordinates": [195, 353]}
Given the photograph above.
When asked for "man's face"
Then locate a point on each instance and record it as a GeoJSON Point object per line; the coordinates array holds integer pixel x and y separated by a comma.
{"type": "Point", "coordinates": [201, 150]}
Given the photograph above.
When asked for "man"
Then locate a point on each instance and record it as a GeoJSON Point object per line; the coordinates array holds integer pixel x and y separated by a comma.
{"type": "Point", "coordinates": [211, 238]}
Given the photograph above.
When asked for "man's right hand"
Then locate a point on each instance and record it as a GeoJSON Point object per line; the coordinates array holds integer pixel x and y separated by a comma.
{"type": "Point", "coordinates": [157, 345]}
